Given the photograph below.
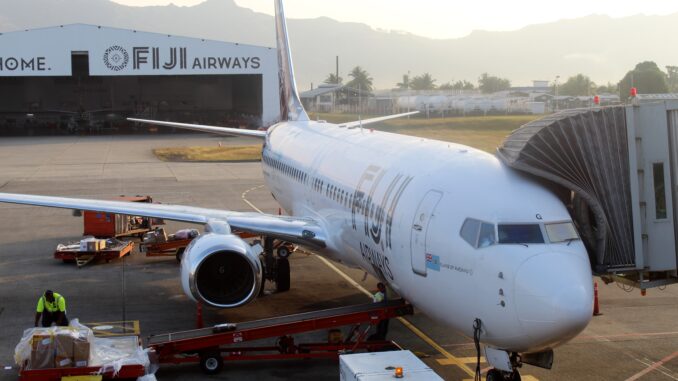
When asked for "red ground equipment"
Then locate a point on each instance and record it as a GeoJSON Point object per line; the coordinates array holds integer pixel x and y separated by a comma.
{"type": "Point", "coordinates": [56, 374]}
{"type": "Point", "coordinates": [108, 225]}
{"type": "Point", "coordinates": [226, 342]}
{"type": "Point", "coordinates": [115, 249]}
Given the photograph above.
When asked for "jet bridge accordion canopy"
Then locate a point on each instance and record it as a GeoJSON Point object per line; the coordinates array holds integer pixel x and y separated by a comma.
{"type": "Point", "coordinates": [585, 151]}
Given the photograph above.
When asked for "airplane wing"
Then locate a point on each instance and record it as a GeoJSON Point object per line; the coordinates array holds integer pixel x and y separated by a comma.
{"type": "Point", "coordinates": [358, 123]}
{"type": "Point", "coordinates": [303, 231]}
{"type": "Point", "coordinates": [203, 128]}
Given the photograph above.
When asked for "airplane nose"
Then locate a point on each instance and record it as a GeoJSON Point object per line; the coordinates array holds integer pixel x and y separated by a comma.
{"type": "Point", "coordinates": [554, 297]}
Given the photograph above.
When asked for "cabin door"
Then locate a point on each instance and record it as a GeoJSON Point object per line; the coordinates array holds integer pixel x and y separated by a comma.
{"type": "Point", "coordinates": [422, 218]}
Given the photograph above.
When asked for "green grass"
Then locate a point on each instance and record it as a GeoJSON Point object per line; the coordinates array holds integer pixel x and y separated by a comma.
{"type": "Point", "coordinates": [215, 154]}
{"type": "Point", "coordinates": [482, 132]}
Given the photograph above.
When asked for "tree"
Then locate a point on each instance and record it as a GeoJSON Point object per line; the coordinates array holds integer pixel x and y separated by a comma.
{"type": "Point", "coordinates": [491, 84]}
{"type": "Point", "coordinates": [405, 84]}
{"type": "Point", "coordinates": [423, 82]}
{"type": "Point", "coordinates": [577, 85]}
{"type": "Point", "coordinates": [333, 79]}
{"type": "Point", "coordinates": [646, 77]}
{"type": "Point", "coordinates": [459, 85]}
{"type": "Point", "coordinates": [672, 78]}
{"type": "Point", "coordinates": [610, 88]}
{"type": "Point", "coordinates": [464, 85]}
{"type": "Point", "coordinates": [361, 79]}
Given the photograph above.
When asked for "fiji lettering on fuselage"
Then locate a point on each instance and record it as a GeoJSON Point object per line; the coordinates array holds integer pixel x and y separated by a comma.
{"type": "Point", "coordinates": [375, 201]}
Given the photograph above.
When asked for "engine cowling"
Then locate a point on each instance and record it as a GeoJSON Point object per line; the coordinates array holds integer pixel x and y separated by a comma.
{"type": "Point", "coordinates": [221, 270]}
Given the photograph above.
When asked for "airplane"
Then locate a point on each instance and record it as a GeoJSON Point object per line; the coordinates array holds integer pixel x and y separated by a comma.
{"type": "Point", "coordinates": [473, 244]}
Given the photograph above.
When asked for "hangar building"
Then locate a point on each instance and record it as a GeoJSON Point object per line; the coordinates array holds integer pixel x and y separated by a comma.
{"type": "Point", "coordinates": [86, 78]}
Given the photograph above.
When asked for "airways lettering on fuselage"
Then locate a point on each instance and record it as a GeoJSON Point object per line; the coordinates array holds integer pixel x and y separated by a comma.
{"type": "Point", "coordinates": [377, 214]}
{"type": "Point", "coordinates": [379, 262]}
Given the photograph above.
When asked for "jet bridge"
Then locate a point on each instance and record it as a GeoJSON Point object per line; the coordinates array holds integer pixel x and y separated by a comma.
{"type": "Point", "coordinates": [617, 170]}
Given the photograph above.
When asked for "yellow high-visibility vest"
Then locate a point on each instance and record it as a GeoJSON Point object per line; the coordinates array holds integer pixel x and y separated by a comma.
{"type": "Point", "coordinates": [59, 304]}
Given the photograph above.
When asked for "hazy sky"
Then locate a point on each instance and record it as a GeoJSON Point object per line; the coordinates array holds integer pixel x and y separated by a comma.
{"type": "Point", "coordinates": [447, 18]}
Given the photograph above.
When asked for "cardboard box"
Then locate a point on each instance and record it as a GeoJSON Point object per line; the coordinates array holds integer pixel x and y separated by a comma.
{"type": "Point", "coordinates": [63, 350]}
{"type": "Point", "coordinates": [81, 353]}
{"type": "Point", "coordinates": [42, 352]}
{"type": "Point", "coordinates": [92, 244]}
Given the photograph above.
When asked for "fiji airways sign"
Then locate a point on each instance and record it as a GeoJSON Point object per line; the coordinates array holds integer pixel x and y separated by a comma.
{"type": "Point", "coordinates": [111, 52]}
{"type": "Point", "coordinates": [163, 60]}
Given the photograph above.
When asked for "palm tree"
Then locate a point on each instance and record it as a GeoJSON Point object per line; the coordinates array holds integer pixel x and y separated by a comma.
{"type": "Point", "coordinates": [423, 82]}
{"type": "Point", "coordinates": [333, 79]}
{"type": "Point", "coordinates": [361, 79]}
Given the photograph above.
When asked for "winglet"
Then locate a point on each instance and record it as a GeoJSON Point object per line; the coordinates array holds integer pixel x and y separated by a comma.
{"type": "Point", "coordinates": [291, 108]}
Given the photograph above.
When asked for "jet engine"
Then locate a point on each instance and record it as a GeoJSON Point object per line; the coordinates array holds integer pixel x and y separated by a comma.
{"type": "Point", "coordinates": [221, 270]}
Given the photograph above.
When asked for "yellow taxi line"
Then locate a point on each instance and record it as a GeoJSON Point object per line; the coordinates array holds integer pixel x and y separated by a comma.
{"type": "Point", "coordinates": [405, 322]}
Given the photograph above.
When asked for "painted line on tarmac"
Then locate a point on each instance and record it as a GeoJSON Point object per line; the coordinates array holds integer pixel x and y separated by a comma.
{"type": "Point", "coordinates": [243, 196]}
{"type": "Point", "coordinates": [404, 321]}
{"type": "Point", "coordinates": [454, 360]}
{"type": "Point", "coordinates": [655, 366]}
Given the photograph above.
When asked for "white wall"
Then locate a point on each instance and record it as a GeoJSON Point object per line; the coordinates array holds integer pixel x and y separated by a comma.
{"type": "Point", "coordinates": [121, 52]}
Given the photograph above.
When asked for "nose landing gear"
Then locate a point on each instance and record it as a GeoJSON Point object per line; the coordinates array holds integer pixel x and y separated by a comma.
{"type": "Point", "coordinates": [503, 374]}
{"type": "Point", "coordinates": [498, 375]}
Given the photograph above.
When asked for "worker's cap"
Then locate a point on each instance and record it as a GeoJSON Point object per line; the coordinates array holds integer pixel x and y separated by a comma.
{"type": "Point", "coordinates": [49, 292]}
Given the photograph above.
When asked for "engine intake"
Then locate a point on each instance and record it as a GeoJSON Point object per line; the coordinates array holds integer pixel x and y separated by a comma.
{"type": "Point", "coordinates": [221, 271]}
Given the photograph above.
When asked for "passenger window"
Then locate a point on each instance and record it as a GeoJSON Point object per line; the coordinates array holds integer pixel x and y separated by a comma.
{"type": "Point", "coordinates": [520, 233]}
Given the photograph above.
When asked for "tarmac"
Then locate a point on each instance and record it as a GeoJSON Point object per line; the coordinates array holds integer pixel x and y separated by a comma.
{"type": "Point", "coordinates": [635, 338]}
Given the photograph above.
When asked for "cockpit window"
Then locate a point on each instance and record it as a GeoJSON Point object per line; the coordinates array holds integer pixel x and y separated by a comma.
{"type": "Point", "coordinates": [561, 232]}
{"type": "Point", "coordinates": [520, 233]}
{"type": "Point", "coordinates": [486, 237]}
{"type": "Point", "coordinates": [478, 234]}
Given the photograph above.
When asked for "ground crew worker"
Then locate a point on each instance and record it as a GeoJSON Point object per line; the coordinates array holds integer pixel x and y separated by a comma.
{"type": "Point", "coordinates": [52, 307]}
{"type": "Point", "coordinates": [382, 327]}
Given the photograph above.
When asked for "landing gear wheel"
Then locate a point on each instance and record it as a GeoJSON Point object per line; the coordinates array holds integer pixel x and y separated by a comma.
{"type": "Point", "coordinates": [180, 254]}
{"type": "Point", "coordinates": [282, 275]}
{"type": "Point", "coordinates": [211, 362]}
{"type": "Point", "coordinates": [494, 375]}
{"type": "Point", "coordinates": [284, 252]}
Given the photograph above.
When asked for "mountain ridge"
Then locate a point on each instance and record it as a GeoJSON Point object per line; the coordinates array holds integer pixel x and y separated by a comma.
{"type": "Point", "coordinates": [599, 46]}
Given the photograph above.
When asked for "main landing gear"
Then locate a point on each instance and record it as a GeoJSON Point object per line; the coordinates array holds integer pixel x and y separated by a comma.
{"type": "Point", "coordinates": [277, 267]}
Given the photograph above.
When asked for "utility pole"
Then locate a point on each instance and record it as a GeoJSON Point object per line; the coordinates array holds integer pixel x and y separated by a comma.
{"type": "Point", "coordinates": [337, 70]}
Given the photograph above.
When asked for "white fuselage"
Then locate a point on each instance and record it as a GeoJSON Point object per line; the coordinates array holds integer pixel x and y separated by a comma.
{"type": "Point", "coordinates": [394, 206]}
